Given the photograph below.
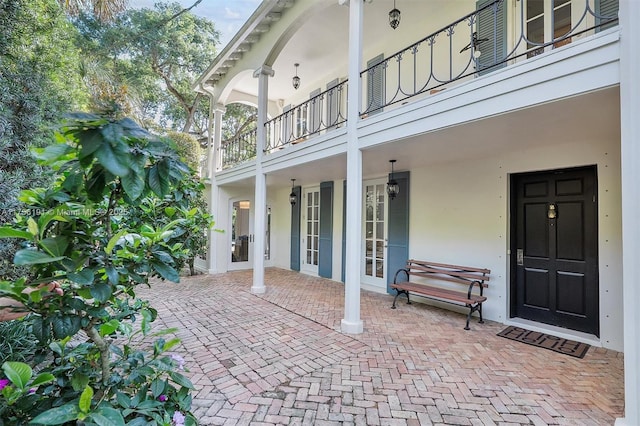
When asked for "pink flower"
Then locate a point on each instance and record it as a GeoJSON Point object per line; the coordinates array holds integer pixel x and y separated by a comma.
{"type": "Point", "coordinates": [162, 398]}
{"type": "Point", "coordinates": [178, 419]}
{"type": "Point", "coordinates": [32, 390]}
{"type": "Point", "coordinates": [3, 383]}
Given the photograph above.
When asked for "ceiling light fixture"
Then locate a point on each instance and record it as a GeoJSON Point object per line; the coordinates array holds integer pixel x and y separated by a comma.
{"type": "Point", "coordinates": [392, 186]}
{"type": "Point", "coordinates": [296, 79]}
{"type": "Point", "coordinates": [394, 16]}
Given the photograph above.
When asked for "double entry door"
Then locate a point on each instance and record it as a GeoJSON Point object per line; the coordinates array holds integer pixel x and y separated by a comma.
{"type": "Point", "coordinates": [373, 256]}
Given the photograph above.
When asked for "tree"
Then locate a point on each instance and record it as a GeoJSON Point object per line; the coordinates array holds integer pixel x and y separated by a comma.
{"type": "Point", "coordinates": [104, 10]}
{"type": "Point", "coordinates": [238, 119]}
{"type": "Point", "coordinates": [39, 82]}
{"type": "Point", "coordinates": [156, 54]}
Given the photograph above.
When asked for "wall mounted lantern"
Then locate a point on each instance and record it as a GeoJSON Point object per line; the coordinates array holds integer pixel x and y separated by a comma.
{"type": "Point", "coordinates": [392, 186]}
{"type": "Point", "coordinates": [296, 79]}
{"type": "Point", "coordinates": [293, 198]}
{"type": "Point", "coordinates": [394, 16]}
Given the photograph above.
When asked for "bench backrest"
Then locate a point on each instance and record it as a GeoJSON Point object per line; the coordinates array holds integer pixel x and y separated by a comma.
{"type": "Point", "coordinates": [452, 273]}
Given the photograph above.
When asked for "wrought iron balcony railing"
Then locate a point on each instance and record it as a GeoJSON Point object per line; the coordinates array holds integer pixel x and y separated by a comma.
{"type": "Point", "coordinates": [238, 149]}
{"type": "Point", "coordinates": [324, 111]}
{"type": "Point", "coordinates": [465, 49]}
{"type": "Point", "coordinates": [476, 44]}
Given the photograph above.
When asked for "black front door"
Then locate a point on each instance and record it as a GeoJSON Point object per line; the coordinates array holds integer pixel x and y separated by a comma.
{"type": "Point", "coordinates": [555, 248]}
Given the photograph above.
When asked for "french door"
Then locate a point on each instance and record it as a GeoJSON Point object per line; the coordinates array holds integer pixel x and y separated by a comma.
{"type": "Point", "coordinates": [374, 245]}
{"type": "Point", "coordinates": [310, 231]}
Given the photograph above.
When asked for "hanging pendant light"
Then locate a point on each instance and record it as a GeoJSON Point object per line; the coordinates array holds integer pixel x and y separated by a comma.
{"type": "Point", "coordinates": [394, 16]}
{"type": "Point", "coordinates": [293, 198]}
{"type": "Point", "coordinates": [296, 79]}
{"type": "Point", "coordinates": [392, 186]}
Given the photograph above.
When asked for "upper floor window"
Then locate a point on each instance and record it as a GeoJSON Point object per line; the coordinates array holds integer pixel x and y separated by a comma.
{"type": "Point", "coordinates": [547, 21]}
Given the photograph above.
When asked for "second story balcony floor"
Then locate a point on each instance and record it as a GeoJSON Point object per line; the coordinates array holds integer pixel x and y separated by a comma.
{"type": "Point", "coordinates": [437, 46]}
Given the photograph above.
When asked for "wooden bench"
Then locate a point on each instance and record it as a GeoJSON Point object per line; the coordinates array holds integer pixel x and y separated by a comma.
{"type": "Point", "coordinates": [465, 275]}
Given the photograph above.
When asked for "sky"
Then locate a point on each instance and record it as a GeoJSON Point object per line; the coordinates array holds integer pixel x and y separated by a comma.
{"type": "Point", "coordinates": [227, 15]}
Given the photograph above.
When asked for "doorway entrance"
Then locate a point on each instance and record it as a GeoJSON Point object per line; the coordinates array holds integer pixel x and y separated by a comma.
{"type": "Point", "coordinates": [241, 235]}
{"type": "Point", "coordinates": [310, 244]}
{"type": "Point", "coordinates": [374, 266]}
{"type": "Point", "coordinates": [554, 249]}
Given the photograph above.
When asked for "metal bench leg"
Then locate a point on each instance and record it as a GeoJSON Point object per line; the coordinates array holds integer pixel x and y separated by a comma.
{"type": "Point", "coordinates": [480, 311]}
{"type": "Point", "coordinates": [396, 298]}
{"type": "Point", "coordinates": [469, 317]}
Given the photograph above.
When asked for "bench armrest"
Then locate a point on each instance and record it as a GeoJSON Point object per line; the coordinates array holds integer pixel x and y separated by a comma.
{"type": "Point", "coordinates": [479, 284]}
{"type": "Point", "coordinates": [405, 270]}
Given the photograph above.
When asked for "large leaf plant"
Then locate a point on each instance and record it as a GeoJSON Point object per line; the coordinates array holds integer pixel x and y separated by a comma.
{"type": "Point", "coordinates": [79, 233]}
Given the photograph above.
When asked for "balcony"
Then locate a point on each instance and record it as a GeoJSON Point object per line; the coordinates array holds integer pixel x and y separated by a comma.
{"type": "Point", "coordinates": [238, 149]}
{"type": "Point", "coordinates": [468, 48]}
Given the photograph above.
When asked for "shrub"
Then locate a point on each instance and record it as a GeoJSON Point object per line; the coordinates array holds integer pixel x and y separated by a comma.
{"type": "Point", "coordinates": [76, 233]}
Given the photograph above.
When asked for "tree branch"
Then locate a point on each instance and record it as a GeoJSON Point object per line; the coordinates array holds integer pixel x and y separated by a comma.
{"type": "Point", "coordinates": [181, 12]}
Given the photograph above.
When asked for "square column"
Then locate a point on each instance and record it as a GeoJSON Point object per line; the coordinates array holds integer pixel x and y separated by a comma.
{"type": "Point", "coordinates": [629, 15]}
{"type": "Point", "coordinates": [351, 323]}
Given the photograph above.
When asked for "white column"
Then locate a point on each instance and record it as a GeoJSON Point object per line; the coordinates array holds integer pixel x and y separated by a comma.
{"type": "Point", "coordinates": [260, 209]}
{"type": "Point", "coordinates": [216, 111]}
{"type": "Point", "coordinates": [214, 238]}
{"type": "Point", "coordinates": [351, 323]}
{"type": "Point", "coordinates": [630, 151]}
{"type": "Point", "coordinates": [215, 155]}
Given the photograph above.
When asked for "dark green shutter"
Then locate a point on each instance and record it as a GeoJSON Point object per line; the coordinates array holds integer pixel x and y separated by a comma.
{"type": "Point", "coordinates": [295, 230]}
{"type": "Point", "coordinates": [344, 228]}
{"type": "Point", "coordinates": [315, 113]}
{"type": "Point", "coordinates": [398, 228]}
{"type": "Point", "coordinates": [375, 85]}
{"type": "Point", "coordinates": [492, 26]}
{"type": "Point", "coordinates": [325, 247]}
{"type": "Point", "coordinates": [606, 10]}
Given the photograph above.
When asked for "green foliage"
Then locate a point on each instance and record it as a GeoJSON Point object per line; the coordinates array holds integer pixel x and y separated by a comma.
{"type": "Point", "coordinates": [17, 343]}
{"type": "Point", "coordinates": [153, 56]}
{"type": "Point", "coordinates": [187, 205]}
{"type": "Point", "coordinates": [238, 119]}
{"type": "Point", "coordinates": [188, 149]}
{"type": "Point", "coordinates": [39, 82]}
{"type": "Point", "coordinates": [76, 234]}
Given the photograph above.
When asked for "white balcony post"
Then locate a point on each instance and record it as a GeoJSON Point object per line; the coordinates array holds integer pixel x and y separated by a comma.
{"type": "Point", "coordinates": [263, 73]}
{"type": "Point", "coordinates": [215, 153]}
{"type": "Point", "coordinates": [351, 323]}
{"type": "Point", "coordinates": [213, 145]}
{"type": "Point", "coordinates": [629, 15]}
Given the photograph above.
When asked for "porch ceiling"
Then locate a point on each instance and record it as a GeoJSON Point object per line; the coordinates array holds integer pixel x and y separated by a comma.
{"type": "Point", "coordinates": [320, 45]}
{"type": "Point", "coordinates": [573, 118]}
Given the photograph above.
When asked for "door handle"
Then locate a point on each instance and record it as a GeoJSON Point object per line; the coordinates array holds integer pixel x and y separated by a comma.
{"type": "Point", "coordinates": [520, 257]}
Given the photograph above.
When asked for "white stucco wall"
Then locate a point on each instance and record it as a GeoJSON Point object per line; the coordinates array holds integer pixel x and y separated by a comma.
{"type": "Point", "coordinates": [466, 221]}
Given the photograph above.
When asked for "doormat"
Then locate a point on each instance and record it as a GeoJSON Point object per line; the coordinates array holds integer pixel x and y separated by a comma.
{"type": "Point", "coordinates": [556, 344]}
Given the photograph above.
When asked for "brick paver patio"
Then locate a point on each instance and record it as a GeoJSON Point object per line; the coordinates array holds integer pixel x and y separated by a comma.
{"type": "Point", "coordinates": [279, 358]}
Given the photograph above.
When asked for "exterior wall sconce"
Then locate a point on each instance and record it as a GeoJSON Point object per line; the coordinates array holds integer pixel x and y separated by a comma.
{"type": "Point", "coordinates": [293, 198]}
{"type": "Point", "coordinates": [394, 16]}
{"type": "Point", "coordinates": [552, 213]}
{"type": "Point", "coordinates": [296, 79]}
{"type": "Point", "coordinates": [392, 186]}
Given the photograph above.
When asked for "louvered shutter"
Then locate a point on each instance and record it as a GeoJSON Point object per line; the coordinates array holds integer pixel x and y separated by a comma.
{"type": "Point", "coordinates": [375, 85]}
{"type": "Point", "coordinates": [491, 25]}
{"type": "Point", "coordinates": [606, 10]}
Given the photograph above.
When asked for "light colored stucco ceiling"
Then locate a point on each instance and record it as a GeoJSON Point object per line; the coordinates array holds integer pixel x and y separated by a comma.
{"type": "Point", "coordinates": [320, 45]}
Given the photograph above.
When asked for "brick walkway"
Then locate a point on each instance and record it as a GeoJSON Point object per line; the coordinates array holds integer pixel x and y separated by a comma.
{"type": "Point", "coordinates": [279, 358]}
